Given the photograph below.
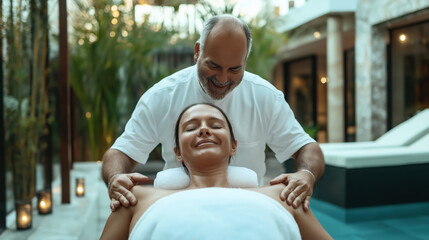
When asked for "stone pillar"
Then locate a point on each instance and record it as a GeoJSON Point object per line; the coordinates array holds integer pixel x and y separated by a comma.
{"type": "Point", "coordinates": [371, 78]}
{"type": "Point", "coordinates": [378, 81]}
{"type": "Point", "coordinates": [363, 73]}
{"type": "Point", "coordinates": [335, 71]}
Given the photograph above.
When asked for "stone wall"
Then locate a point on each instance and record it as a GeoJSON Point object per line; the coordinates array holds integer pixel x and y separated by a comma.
{"type": "Point", "coordinates": [373, 19]}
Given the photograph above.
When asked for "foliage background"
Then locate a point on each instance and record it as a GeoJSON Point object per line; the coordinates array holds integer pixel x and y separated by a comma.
{"type": "Point", "coordinates": [113, 64]}
{"type": "Point", "coordinates": [26, 90]}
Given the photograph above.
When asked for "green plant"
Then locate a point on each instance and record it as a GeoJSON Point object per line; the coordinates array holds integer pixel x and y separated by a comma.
{"type": "Point", "coordinates": [111, 65]}
{"type": "Point", "coordinates": [26, 102]}
{"type": "Point", "coordinates": [311, 130]}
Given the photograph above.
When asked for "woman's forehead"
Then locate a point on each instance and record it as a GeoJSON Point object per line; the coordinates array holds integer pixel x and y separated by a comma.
{"type": "Point", "coordinates": [202, 111]}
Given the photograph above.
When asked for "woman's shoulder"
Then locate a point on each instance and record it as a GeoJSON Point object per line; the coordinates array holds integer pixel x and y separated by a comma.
{"type": "Point", "coordinates": [274, 191]}
{"type": "Point", "coordinates": [150, 194]}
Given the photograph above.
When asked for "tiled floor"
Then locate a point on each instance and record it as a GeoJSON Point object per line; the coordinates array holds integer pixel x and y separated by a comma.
{"type": "Point", "coordinates": [409, 228]}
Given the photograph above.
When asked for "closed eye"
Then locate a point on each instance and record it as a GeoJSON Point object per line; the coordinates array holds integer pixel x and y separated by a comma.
{"type": "Point", "coordinates": [235, 70]}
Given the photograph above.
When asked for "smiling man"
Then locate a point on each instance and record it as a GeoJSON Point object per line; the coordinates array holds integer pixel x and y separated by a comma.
{"type": "Point", "coordinates": [257, 110]}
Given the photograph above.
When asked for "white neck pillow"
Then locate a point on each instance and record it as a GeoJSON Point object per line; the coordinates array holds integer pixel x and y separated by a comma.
{"type": "Point", "coordinates": [177, 178]}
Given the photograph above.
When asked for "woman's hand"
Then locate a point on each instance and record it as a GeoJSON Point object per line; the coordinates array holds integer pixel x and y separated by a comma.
{"type": "Point", "coordinates": [119, 189]}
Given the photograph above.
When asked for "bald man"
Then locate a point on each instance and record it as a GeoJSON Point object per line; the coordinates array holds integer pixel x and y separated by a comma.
{"type": "Point", "coordinates": [257, 110]}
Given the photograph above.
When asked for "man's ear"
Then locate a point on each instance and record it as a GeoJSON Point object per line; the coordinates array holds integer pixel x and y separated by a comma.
{"type": "Point", "coordinates": [234, 148]}
{"type": "Point", "coordinates": [196, 51]}
{"type": "Point", "coordinates": [177, 152]}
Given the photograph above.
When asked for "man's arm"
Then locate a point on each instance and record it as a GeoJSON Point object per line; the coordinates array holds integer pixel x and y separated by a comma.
{"type": "Point", "coordinates": [310, 157]}
{"type": "Point", "coordinates": [116, 174]}
{"type": "Point", "coordinates": [309, 166]}
{"type": "Point", "coordinates": [116, 162]}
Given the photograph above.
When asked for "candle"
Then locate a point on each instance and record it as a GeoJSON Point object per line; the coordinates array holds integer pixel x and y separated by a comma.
{"type": "Point", "coordinates": [80, 187]}
{"type": "Point", "coordinates": [23, 215]}
{"type": "Point", "coordinates": [44, 200]}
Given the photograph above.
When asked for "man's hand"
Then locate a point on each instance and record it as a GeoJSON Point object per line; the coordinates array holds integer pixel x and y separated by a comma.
{"type": "Point", "coordinates": [119, 189]}
{"type": "Point", "coordinates": [299, 188]}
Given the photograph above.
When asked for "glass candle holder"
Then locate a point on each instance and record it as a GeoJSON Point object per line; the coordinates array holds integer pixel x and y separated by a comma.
{"type": "Point", "coordinates": [44, 201]}
{"type": "Point", "coordinates": [80, 187]}
{"type": "Point", "coordinates": [23, 215]}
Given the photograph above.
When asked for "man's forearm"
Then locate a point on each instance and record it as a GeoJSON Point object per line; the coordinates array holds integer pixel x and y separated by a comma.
{"type": "Point", "coordinates": [310, 157]}
{"type": "Point", "coordinates": [116, 162]}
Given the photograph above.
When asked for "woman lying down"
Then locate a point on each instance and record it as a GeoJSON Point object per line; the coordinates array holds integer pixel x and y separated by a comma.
{"type": "Point", "coordinates": [209, 208]}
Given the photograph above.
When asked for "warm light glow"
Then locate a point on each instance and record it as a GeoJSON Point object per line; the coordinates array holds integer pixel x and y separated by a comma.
{"type": "Point", "coordinates": [130, 22]}
{"type": "Point", "coordinates": [81, 41]}
{"type": "Point", "coordinates": [108, 139]}
{"type": "Point", "coordinates": [112, 34]}
{"type": "Point", "coordinates": [23, 215]}
{"type": "Point", "coordinates": [88, 26]}
{"type": "Point", "coordinates": [115, 14]}
{"type": "Point", "coordinates": [402, 37]}
{"type": "Point", "coordinates": [80, 187]}
{"type": "Point", "coordinates": [324, 80]}
{"type": "Point", "coordinates": [124, 33]}
{"type": "Point", "coordinates": [114, 21]}
{"type": "Point", "coordinates": [88, 115]}
{"type": "Point", "coordinates": [114, 8]}
{"type": "Point", "coordinates": [316, 34]}
{"type": "Point", "coordinates": [44, 198]}
{"type": "Point", "coordinates": [92, 37]}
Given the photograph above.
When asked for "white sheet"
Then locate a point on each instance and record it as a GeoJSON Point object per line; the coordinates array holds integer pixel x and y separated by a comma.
{"type": "Point", "coordinates": [216, 213]}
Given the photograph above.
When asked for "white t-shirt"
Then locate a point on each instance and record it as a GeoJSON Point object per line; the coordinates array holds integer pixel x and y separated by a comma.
{"type": "Point", "coordinates": [257, 111]}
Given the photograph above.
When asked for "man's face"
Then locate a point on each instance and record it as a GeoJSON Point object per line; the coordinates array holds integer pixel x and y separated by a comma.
{"type": "Point", "coordinates": [222, 63]}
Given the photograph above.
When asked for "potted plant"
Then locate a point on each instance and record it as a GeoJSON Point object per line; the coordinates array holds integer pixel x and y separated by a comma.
{"type": "Point", "coordinates": [26, 93]}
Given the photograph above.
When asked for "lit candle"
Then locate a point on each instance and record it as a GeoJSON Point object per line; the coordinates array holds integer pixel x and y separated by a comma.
{"type": "Point", "coordinates": [23, 215]}
{"type": "Point", "coordinates": [80, 187]}
{"type": "Point", "coordinates": [44, 199]}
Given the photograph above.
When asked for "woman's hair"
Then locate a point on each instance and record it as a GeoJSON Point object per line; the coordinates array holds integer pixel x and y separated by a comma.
{"type": "Point", "coordinates": [176, 130]}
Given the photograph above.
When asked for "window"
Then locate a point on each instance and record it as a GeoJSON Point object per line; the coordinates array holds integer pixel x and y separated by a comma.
{"type": "Point", "coordinates": [409, 76]}
{"type": "Point", "coordinates": [300, 92]}
{"type": "Point", "coordinates": [349, 96]}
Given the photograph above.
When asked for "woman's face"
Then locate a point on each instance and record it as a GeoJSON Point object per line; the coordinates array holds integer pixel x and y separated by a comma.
{"type": "Point", "coordinates": [204, 137]}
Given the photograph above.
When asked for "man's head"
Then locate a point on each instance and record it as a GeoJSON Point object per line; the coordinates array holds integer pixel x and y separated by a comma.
{"type": "Point", "coordinates": [221, 54]}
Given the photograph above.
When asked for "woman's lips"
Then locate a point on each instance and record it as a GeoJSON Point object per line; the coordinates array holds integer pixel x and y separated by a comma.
{"type": "Point", "coordinates": [204, 143]}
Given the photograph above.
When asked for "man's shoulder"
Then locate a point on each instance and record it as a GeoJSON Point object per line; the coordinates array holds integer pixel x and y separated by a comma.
{"type": "Point", "coordinates": [175, 79]}
{"type": "Point", "coordinates": [252, 80]}
{"type": "Point", "coordinates": [178, 81]}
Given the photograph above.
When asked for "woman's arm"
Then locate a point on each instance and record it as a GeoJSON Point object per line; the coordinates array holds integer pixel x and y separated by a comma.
{"type": "Point", "coordinates": [118, 224]}
{"type": "Point", "coordinates": [309, 226]}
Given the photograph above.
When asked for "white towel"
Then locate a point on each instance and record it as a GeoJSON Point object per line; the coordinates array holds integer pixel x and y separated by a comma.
{"type": "Point", "coordinates": [216, 213]}
{"type": "Point", "coordinates": [177, 178]}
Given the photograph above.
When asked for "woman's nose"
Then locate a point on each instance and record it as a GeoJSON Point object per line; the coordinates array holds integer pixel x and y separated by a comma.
{"type": "Point", "coordinates": [204, 131]}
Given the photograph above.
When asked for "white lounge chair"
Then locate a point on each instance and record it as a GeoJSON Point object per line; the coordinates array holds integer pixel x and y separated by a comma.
{"type": "Point", "coordinates": [404, 134]}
